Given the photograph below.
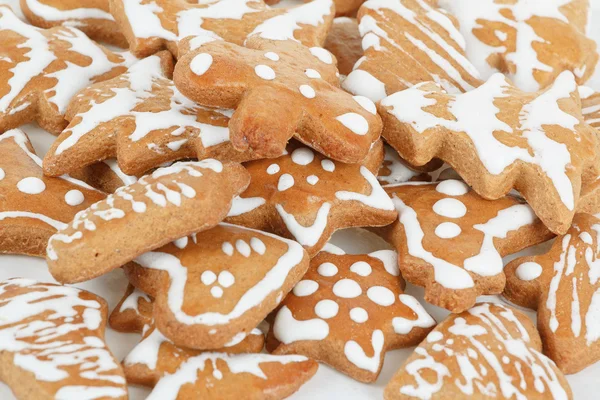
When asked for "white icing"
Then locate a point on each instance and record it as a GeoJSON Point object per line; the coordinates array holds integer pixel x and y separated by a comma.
{"type": "Point", "coordinates": [31, 185]}
{"type": "Point", "coordinates": [273, 169]}
{"type": "Point", "coordinates": [272, 56]}
{"type": "Point", "coordinates": [312, 179]}
{"type": "Point", "coordinates": [322, 54]}
{"type": "Point", "coordinates": [347, 289]}
{"type": "Point", "coordinates": [326, 309]}
{"type": "Point", "coordinates": [74, 197]}
{"type": "Point", "coordinates": [328, 165]}
{"type": "Point", "coordinates": [307, 91]}
{"type": "Point", "coordinates": [265, 72]}
{"type": "Point", "coordinates": [208, 277]}
{"type": "Point", "coordinates": [305, 288]}
{"type": "Point", "coordinates": [287, 329]}
{"type": "Point", "coordinates": [201, 63]}
{"type": "Point", "coordinates": [447, 230]}
{"type": "Point", "coordinates": [357, 356]}
{"type": "Point", "coordinates": [355, 122]}
{"type": "Point", "coordinates": [361, 268]}
{"type": "Point", "coordinates": [303, 156]}
{"type": "Point", "coordinates": [399, 172]}
{"type": "Point", "coordinates": [286, 181]}
{"type": "Point", "coordinates": [403, 326]}
{"type": "Point", "coordinates": [452, 187]}
{"type": "Point", "coordinates": [528, 271]}
{"type": "Point", "coordinates": [450, 208]}
{"type": "Point", "coordinates": [313, 74]}
{"type": "Point", "coordinates": [240, 205]}
{"type": "Point", "coordinates": [327, 269]}
{"type": "Point", "coordinates": [381, 296]}
{"type": "Point", "coordinates": [359, 315]}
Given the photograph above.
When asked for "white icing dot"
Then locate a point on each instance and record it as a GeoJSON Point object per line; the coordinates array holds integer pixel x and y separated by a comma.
{"type": "Point", "coordinates": [286, 181]}
{"type": "Point", "coordinates": [305, 287]}
{"type": "Point", "coordinates": [2, 174]}
{"type": "Point", "coordinates": [322, 54]}
{"type": "Point", "coordinates": [355, 122]}
{"type": "Point", "coordinates": [201, 63]}
{"type": "Point", "coordinates": [265, 72]}
{"type": "Point", "coordinates": [450, 208]}
{"type": "Point", "coordinates": [242, 247]}
{"type": "Point", "coordinates": [366, 103]}
{"type": "Point", "coordinates": [359, 315]}
{"type": "Point", "coordinates": [74, 197]}
{"type": "Point", "coordinates": [326, 309]}
{"type": "Point", "coordinates": [361, 268]}
{"type": "Point", "coordinates": [347, 289]}
{"type": "Point", "coordinates": [447, 230]}
{"type": "Point", "coordinates": [452, 187]}
{"type": "Point", "coordinates": [208, 277]}
{"type": "Point", "coordinates": [31, 185]}
{"type": "Point", "coordinates": [227, 248]}
{"type": "Point", "coordinates": [381, 295]}
{"type": "Point", "coordinates": [258, 245]}
{"type": "Point", "coordinates": [328, 165]}
{"type": "Point", "coordinates": [272, 56]}
{"type": "Point", "coordinates": [327, 269]}
{"type": "Point", "coordinates": [434, 336]}
{"type": "Point", "coordinates": [226, 279]}
{"type": "Point", "coordinates": [312, 179]}
{"type": "Point", "coordinates": [529, 271]}
{"type": "Point", "coordinates": [181, 243]}
{"type": "Point", "coordinates": [307, 91]}
{"type": "Point", "coordinates": [303, 156]}
{"type": "Point", "coordinates": [216, 292]}
{"type": "Point", "coordinates": [313, 74]}
{"type": "Point", "coordinates": [273, 169]}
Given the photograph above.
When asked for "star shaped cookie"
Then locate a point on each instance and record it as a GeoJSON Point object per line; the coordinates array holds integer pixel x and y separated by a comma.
{"type": "Point", "coordinates": [536, 143]}
{"type": "Point", "coordinates": [33, 206]}
{"type": "Point", "coordinates": [348, 311]}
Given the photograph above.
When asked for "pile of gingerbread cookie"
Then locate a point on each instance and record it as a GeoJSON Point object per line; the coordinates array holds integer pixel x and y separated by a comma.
{"type": "Point", "coordinates": [210, 149]}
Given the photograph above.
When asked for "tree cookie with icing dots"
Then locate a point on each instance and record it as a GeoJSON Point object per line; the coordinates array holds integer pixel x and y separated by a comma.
{"type": "Point", "coordinates": [42, 69]}
{"type": "Point", "coordinates": [536, 143]}
{"type": "Point", "coordinates": [489, 351]}
{"type": "Point", "coordinates": [213, 286]}
{"type": "Point", "coordinates": [348, 311]}
{"type": "Point", "coordinates": [406, 42]}
{"type": "Point", "coordinates": [310, 104]}
{"type": "Point", "coordinates": [563, 286]}
{"type": "Point", "coordinates": [191, 196]}
{"type": "Point", "coordinates": [53, 343]}
{"type": "Point", "coordinates": [141, 119]}
{"type": "Point", "coordinates": [530, 41]}
{"type": "Point", "coordinates": [307, 197]}
{"type": "Point", "coordinates": [451, 241]}
{"type": "Point", "coordinates": [150, 26]}
{"type": "Point", "coordinates": [32, 206]}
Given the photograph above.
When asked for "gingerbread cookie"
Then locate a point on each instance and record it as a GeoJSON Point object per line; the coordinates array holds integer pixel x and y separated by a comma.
{"type": "Point", "coordinates": [348, 311]}
{"type": "Point", "coordinates": [32, 206]}
{"type": "Point", "coordinates": [395, 170]}
{"type": "Point", "coordinates": [307, 197]}
{"type": "Point", "coordinates": [310, 105]}
{"type": "Point", "coordinates": [53, 343]}
{"type": "Point", "coordinates": [590, 106]}
{"type": "Point", "coordinates": [42, 69]}
{"type": "Point", "coordinates": [451, 241]}
{"type": "Point", "coordinates": [150, 26]}
{"type": "Point", "coordinates": [562, 285]}
{"type": "Point", "coordinates": [531, 42]}
{"type": "Point", "coordinates": [191, 196]}
{"type": "Point", "coordinates": [406, 42]}
{"type": "Point", "coordinates": [141, 119]}
{"type": "Point", "coordinates": [212, 286]}
{"type": "Point", "coordinates": [344, 42]}
{"type": "Point", "coordinates": [489, 351]}
{"type": "Point", "coordinates": [536, 143]}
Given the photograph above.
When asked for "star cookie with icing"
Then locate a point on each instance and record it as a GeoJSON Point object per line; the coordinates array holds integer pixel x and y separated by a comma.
{"type": "Point", "coordinates": [488, 351]}
{"type": "Point", "coordinates": [53, 343]}
{"type": "Point", "coordinates": [32, 206]}
{"type": "Point", "coordinates": [406, 42]}
{"type": "Point", "coordinates": [213, 286]}
{"type": "Point", "coordinates": [307, 197]}
{"type": "Point", "coordinates": [310, 105]}
{"type": "Point", "coordinates": [348, 311]}
{"type": "Point", "coordinates": [42, 69]}
{"type": "Point", "coordinates": [563, 285]}
{"type": "Point", "coordinates": [171, 202]}
{"type": "Point", "coordinates": [451, 241]}
{"type": "Point", "coordinates": [536, 143]}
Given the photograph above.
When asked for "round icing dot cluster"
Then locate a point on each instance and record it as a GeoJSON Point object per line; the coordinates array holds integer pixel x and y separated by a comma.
{"type": "Point", "coordinates": [244, 248]}
{"type": "Point", "coordinates": [225, 279]}
{"type": "Point", "coordinates": [450, 207]}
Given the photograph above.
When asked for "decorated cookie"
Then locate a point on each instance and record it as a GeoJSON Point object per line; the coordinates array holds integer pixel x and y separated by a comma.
{"type": "Point", "coordinates": [310, 105]}
{"type": "Point", "coordinates": [191, 196]}
{"type": "Point", "coordinates": [53, 345]}
{"type": "Point", "coordinates": [530, 41]}
{"type": "Point", "coordinates": [344, 42]}
{"type": "Point", "coordinates": [41, 70]}
{"type": "Point", "coordinates": [563, 286]}
{"type": "Point", "coordinates": [90, 16]}
{"type": "Point", "coordinates": [32, 206]}
{"type": "Point", "coordinates": [213, 286]}
{"type": "Point", "coordinates": [489, 351]}
{"type": "Point", "coordinates": [406, 42]}
{"type": "Point", "coordinates": [536, 143]}
{"type": "Point", "coordinates": [348, 311]}
{"type": "Point", "coordinates": [395, 170]}
{"type": "Point", "coordinates": [150, 26]}
{"type": "Point", "coordinates": [590, 104]}
{"type": "Point", "coordinates": [141, 119]}
{"type": "Point", "coordinates": [451, 241]}
{"type": "Point", "coordinates": [307, 197]}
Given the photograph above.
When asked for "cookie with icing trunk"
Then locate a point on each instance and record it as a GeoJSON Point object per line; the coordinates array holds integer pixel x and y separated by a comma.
{"type": "Point", "coordinates": [532, 42]}
{"type": "Point", "coordinates": [536, 143]}
{"type": "Point", "coordinates": [32, 206]}
{"type": "Point", "coordinates": [307, 197]}
{"type": "Point", "coordinates": [344, 42]}
{"type": "Point", "coordinates": [191, 196]}
{"type": "Point", "coordinates": [42, 69]}
{"type": "Point", "coordinates": [563, 286]}
{"type": "Point", "coordinates": [310, 104]}
{"type": "Point", "coordinates": [141, 119]}
{"type": "Point", "coordinates": [488, 351]}
{"type": "Point", "coordinates": [348, 311]}
{"type": "Point", "coordinates": [53, 343]}
{"type": "Point", "coordinates": [150, 26]}
{"type": "Point", "coordinates": [406, 42]}
{"type": "Point", "coordinates": [213, 286]}
{"type": "Point", "coordinates": [451, 241]}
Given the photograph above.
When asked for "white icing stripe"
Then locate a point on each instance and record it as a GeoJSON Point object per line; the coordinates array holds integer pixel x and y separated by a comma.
{"type": "Point", "coordinates": [25, 214]}
{"type": "Point", "coordinates": [306, 235]}
{"type": "Point", "coordinates": [50, 13]}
